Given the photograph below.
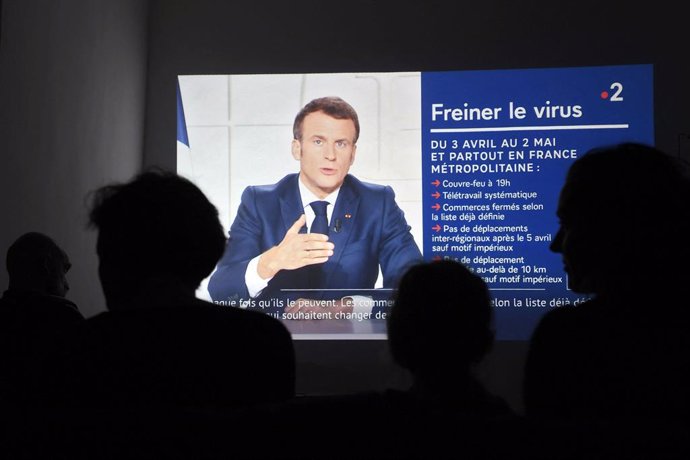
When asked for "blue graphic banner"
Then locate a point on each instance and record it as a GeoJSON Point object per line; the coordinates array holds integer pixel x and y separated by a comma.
{"type": "Point", "coordinates": [496, 146]}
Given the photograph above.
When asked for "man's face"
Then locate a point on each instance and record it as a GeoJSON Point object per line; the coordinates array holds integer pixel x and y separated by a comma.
{"type": "Point", "coordinates": [325, 152]}
{"type": "Point", "coordinates": [579, 247]}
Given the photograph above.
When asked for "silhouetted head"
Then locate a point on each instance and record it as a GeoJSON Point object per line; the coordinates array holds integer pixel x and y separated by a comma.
{"type": "Point", "coordinates": [158, 226]}
{"type": "Point", "coordinates": [441, 319]}
{"type": "Point", "coordinates": [36, 263]}
{"type": "Point", "coordinates": [623, 213]}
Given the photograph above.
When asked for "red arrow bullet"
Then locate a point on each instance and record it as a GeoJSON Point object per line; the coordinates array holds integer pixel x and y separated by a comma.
{"type": "Point", "coordinates": [436, 206]}
{"type": "Point", "coordinates": [436, 258]}
{"type": "Point", "coordinates": [436, 228]}
{"type": "Point", "coordinates": [436, 183]}
{"type": "Point", "coordinates": [436, 195]}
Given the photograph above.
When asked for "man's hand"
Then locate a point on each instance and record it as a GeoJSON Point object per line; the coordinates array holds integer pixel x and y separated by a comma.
{"type": "Point", "coordinates": [295, 251]}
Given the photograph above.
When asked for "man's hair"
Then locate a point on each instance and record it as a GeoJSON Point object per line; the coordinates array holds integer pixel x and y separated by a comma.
{"type": "Point", "coordinates": [441, 317]}
{"type": "Point", "coordinates": [332, 106]}
{"type": "Point", "coordinates": [158, 224]}
{"type": "Point", "coordinates": [630, 180]}
{"type": "Point", "coordinates": [634, 201]}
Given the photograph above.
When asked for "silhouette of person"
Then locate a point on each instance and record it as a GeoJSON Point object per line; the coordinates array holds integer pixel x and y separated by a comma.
{"type": "Point", "coordinates": [623, 354]}
{"type": "Point", "coordinates": [158, 345]}
{"type": "Point", "coordinates": [35, 320]}
{"type": "Point", "coordinates": [37, 269]}
{"type": "Point", "coordinates": [439, 329]}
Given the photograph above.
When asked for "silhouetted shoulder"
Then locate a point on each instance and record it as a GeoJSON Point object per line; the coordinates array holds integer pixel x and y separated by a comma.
{"type": "Point", "coordinates": [199, 355]}
{"type": "Point", "coordinates": [26, 310]}
{"type": "Point", "coordinates": [600, 361]}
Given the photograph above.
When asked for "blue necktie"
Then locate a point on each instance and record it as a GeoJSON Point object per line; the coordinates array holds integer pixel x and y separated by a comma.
{"type": "Point", "coordinates": [320, 224]}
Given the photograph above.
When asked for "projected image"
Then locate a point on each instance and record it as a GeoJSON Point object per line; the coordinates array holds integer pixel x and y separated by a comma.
{"type": "Point", "coordinates": [461, 165]}
{"type": "Point", "coordinates": [358, 146]}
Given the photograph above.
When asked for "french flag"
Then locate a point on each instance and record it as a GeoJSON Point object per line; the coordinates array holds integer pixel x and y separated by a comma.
{"type": "Point", "coordinates": [184, 153]}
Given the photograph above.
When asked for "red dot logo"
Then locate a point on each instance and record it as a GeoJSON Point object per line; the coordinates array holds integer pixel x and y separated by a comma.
{"type": "Point", "coordinates": [604, 94]}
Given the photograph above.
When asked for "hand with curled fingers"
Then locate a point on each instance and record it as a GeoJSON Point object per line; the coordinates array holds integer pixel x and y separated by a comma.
{"type": "Point", "coordinates": [296, 250]}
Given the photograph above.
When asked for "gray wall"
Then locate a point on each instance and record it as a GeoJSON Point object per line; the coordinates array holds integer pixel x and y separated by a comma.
{"type": "Point", "coordinates": [72, 92]}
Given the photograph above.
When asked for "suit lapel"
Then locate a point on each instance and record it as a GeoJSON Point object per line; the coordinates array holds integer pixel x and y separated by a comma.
{"type": "Point", "coordinates": [290, 205]}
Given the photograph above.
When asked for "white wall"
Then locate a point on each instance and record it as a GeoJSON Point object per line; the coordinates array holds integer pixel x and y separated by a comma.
{"type": "Point", "coordinates": [72, 94]}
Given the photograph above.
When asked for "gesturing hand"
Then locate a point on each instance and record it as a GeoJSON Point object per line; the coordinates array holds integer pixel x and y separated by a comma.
{"type": "Point", "coordinates": [296, 250]}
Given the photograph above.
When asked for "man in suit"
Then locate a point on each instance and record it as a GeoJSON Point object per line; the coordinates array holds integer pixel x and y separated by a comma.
{"type": "Point", "coordinates": [273, 262]}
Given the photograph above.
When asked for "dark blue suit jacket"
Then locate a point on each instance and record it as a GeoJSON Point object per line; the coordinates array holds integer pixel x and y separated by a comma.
{"type": "Point", "coordinates": [367, 228]}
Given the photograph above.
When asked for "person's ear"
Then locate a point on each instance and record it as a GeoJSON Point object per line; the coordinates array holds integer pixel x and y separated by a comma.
{"type": "Point", "coordinates": [354, 152]}
{"type": "Point", "coordinates": [296, 150]}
